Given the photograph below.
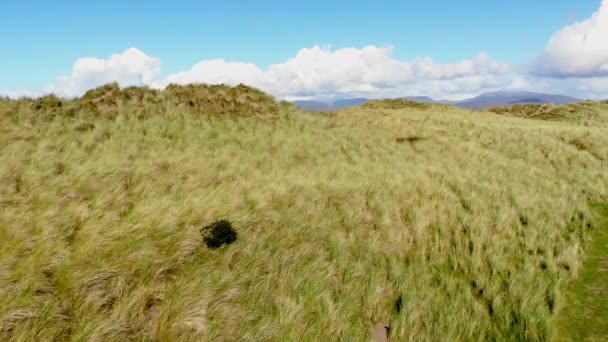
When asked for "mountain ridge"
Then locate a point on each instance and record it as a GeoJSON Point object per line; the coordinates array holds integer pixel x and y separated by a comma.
{"type": "Point", "coordinates": [485, 100]}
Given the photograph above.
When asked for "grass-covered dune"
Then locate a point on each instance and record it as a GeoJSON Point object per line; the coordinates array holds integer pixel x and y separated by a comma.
{"type": "Point", "coordinates": [442, 223]}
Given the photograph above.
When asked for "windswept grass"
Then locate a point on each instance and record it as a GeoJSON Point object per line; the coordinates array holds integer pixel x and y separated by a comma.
{"type": "Point", "coordinates": [445, 223]}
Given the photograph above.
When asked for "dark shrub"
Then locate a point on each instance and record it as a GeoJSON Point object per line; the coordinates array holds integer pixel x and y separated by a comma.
{"type": "Point", "coordinates": [218, 233]}
{"type": "Point", "coordinates": [410, 139]}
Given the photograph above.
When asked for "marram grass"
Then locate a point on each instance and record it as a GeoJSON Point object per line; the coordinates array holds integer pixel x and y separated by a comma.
{"type": "Point", "coordinates": [446, 224]}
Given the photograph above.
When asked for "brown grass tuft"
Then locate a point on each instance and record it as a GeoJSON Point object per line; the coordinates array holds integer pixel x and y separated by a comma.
{"type": "Point", "coordinates": [221, 100]}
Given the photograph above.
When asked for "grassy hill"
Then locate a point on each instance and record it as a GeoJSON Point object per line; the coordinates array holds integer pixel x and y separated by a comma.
{"type": "Point", "coordinates": [443, 223]}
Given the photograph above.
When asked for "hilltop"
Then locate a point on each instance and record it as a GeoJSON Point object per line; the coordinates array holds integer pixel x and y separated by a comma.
{"type": "Point", "coordinates": [506, 98]}
{"type": "Point", "coordinates": [110, 101]}
{"type": "Point", "coordinates": [439, 222]}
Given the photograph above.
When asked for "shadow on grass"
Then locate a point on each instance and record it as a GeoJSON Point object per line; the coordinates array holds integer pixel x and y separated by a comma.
{"type": "Point", "coordinates": [585, 317]}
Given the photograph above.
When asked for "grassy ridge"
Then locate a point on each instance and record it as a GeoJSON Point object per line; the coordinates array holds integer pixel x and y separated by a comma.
{"type": "Point", "coordinates": [445, 223]}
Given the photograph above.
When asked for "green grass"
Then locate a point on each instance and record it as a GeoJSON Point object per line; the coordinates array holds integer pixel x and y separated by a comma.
{"type": "Point", "coordinates": [585, 316]}
{"type": "Point", "coordinates": [475, 223]}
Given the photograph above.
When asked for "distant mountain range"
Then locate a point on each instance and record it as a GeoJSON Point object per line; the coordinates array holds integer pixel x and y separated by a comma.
{"type": "Point", "coordinates": [508, 98]}
{"type": "Point", "coordinates": [499, 98]}
{"type": "Point", "coordinates": [327, 106]}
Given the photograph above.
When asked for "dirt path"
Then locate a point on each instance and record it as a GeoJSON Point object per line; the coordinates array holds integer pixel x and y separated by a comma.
{"type": "Point", "coordinates": [585, 318]}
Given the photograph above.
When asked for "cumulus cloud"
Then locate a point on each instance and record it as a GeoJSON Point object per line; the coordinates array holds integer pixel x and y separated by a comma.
{"type": "Point", "coordinates": [216, 71]}
{"type": "Point", "coordinates": [323, 73]}
{"type": "Point", "coordinates": [320, 71]}
{"type": "Point", "coordinates": [480, 65]}
{"type": "Point", "coordinates": [131, 67]}
{"type": "Point", "coordinates": [313, 73]}
{"type": "Point", "coordinates": [578, 50]}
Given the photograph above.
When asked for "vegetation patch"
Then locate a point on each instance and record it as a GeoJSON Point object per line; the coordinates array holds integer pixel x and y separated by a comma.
{"type": "Point", "coordinates": [221, 100]}
{"type": "Point", "coordinates": [218, 234]}
{"type": "Point", "coordinates": [473, 233]}
{"type": "Point", "coordinates": [110, 101]}
{"type": "Point", "coordinates": [411, 139]}
{"type": "Point", "coordinates": [585, 313]}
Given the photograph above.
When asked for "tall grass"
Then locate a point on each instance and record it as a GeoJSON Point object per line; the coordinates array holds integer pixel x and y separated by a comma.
{"type": "Point", "coordinates": [446, 224]}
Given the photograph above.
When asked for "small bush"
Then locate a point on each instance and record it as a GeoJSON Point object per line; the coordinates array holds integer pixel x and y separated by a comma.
{"type": "Point", "coordinates": [410, 139]}
{"type": "Point", "coordinates": [49, 105]}
{"type": "Point", "coordinates": [218, 233]}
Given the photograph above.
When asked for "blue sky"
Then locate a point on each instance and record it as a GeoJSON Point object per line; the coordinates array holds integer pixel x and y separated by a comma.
{"type": "Point", "coordinates": [42, 39]}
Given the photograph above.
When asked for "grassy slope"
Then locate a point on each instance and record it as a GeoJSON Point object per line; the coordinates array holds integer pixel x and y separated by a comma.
{"type": "Point", "coordinates": [471, 221]}
{"type": "Point", "coordinates": [585, 316]}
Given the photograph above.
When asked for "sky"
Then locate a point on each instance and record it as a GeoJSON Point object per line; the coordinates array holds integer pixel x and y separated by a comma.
{"type": "Point", "coordinates": [308, 49]}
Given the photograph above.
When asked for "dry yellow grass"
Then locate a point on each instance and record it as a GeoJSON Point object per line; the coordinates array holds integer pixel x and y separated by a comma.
{"type": "Point", "coordinates": [446, 224]}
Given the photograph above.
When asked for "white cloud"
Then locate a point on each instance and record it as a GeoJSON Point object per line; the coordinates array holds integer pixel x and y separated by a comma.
{"type": "Point", "coordinates": [480, 65]}
{"type": "Point", "coordinates": [325, 73]}
{"type": "Point", "coordinates": [316, 72]}
{"type": "Point", "coordinates": [132, 67]}
{"type": "Point", "coordinates": [216, 71]}
{"type": "Point", "coordinates": [322, 72]}
{"type": "Point", "coordinates": [578, 50]}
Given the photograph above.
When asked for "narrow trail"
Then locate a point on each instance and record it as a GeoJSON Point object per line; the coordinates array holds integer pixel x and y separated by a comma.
{"type": "Point", "coordinates": [585, 317]}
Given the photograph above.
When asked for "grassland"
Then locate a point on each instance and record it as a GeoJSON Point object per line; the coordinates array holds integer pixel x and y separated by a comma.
{"type": "Point", "coordinates": [585, 316]}
{"type": "Point", "coordinates": [444, 223]}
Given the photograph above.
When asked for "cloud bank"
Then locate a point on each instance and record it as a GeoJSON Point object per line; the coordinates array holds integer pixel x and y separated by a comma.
{"type": "Point", "coordinates": [316, 72]}
{"type": "Point", "coordinates": [579, 50]}
{"type": "Point", "coordinates": [574, 61]}
{"type": "Point", "coordinates": [319, 71]}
